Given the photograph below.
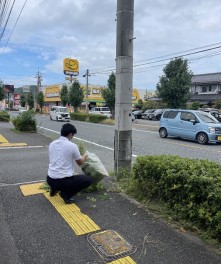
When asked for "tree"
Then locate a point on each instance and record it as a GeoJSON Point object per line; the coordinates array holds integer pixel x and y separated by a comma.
{"type": "Point", "coordinates": [30, 101]}
{"type": "Point", "coordinates": [218, 104]}
{"type": "Point", "coordinates": [40, 100]}
{"type": "Point", "coordinates": [195, 105]}
{"type": "Point", "coordinates": [23, 100]}
{"type": "Point", "coordinates": [76, 95]}
{"type": "Point", "coordinates": [109, 93]}
{"type": "Point", "coordinates": [64, 95]}
{"type": "Point", "coordinates": [2, 94]}
{"type": "Point", "coordinates": [173, 87]}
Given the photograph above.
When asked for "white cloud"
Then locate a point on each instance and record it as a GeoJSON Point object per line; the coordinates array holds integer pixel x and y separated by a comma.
{"type": "Point", "coordinates": [51, 30]}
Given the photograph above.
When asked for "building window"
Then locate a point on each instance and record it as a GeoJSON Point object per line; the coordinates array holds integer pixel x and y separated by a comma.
{"type": "Point", "coordinates": [210, 88]}
{"type": "Point", "coordinates": [204, 89]}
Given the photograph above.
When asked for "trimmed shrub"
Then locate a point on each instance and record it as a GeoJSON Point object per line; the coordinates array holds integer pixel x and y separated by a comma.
{"type": "Point", "coordinates": [25, 122]}
{"type": "Point", "coordinates": [96, 118]}
{"type": "Point", "coordinates": [79, 116]}
{"type": "Point", "coordinates": [191, 188]}
{"type": "Point", "coordinates": [4, 116]}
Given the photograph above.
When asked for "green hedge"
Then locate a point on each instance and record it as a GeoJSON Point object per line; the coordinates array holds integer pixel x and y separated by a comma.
{"type": "Point", "coordinates": [79, 116]}
{"type": "Point", "coordinates": [25, 122]}
{"type": "Point", "coordinates": [96, 118]}
{"type": "Point", "coordinates": [4, 116]}
{"type": "Point", "coordinates": [191, 188]}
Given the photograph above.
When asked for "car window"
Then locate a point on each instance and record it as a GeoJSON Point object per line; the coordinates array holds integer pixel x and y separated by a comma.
{"type": "Point", "coordinates": [105, 109]}
{"type": "Point", "coordinates": [172, 114]}
{"type": "Point", "coordinates": [207, 118]}
{"type": "Point", "coordinates": [185, 116]}
{"type": "Point", "coordinates": [166, 113]}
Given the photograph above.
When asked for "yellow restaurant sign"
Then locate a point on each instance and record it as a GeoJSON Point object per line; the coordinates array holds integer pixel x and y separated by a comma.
{"type": "Point", "coordinates": [71, 67]}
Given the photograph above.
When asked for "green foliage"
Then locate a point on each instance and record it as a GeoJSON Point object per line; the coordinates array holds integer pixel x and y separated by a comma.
{"type": "Point", "coordinates": [25, 122]}
{"type": "Point", "coordinates": [79, 116]}
{"type": "Point", "coordinates": [76, 95]}
{"type": "Point", "coordinates": [191, 188]}
{"type": "Point", "coordinates": [40, 100]}
{"type": "Point", "coordinates": [64, 95]}
{"type": "Point", "coordinates": [96, 118]}
{"type": "Point", "coordinates": [151, 105]}
{"type": "Point", "coordinates": [81, 147]}
{"type": "Point", "coordinates": [23, 100]}
{"type": "Point", "coordinates": [218, 104]}
{"type": "Point", "coordinates": [2, 94]}
{"type": "Point", "coordinates": [140, 104]}
{"type": "Point", "coordinates": [195, 105]}
{"type": "Point", "coordinates": [173, 87]}
{"type": "Point", "coordinates": [30, 100]}
{"type": "Point", "coordinates": [109, 93]}
{"type": "Point", "coordinates": [4, 116]}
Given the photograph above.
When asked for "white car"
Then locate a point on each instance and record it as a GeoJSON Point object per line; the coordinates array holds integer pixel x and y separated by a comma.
{"type": "Point", "coordinates": [22, 109]}
{"type": "Point", "coordinates": [59, 113]}
{"type": "Point", "coordinates": [101, 111]}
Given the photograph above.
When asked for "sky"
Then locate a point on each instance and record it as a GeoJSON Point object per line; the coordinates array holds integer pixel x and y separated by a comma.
{"type": "Point", "coordinates": [49, 31]}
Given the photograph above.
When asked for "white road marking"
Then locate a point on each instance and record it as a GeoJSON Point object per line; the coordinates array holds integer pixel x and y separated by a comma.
{"type": "Point", "coordinates": [20, 183]}
{"type": "Point", "coordinates": [84, 140]}
{"type": "Point", "coordinates": [24, 147]}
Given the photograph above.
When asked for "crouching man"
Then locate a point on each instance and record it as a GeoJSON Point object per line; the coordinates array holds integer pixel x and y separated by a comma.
{"type": "Point", "coordinates": [62, 154]}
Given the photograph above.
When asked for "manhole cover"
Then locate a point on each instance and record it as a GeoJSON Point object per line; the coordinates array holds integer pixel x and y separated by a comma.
{"type": "Point", "coordinates": [110, 245]}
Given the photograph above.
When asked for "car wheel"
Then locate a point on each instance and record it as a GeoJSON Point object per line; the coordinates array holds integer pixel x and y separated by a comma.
{"type": "Point", "coordinates": [163, 132]}
{"type": "Point", "coordinates": [50, 117]}
{"type": "Point", "coordinates": [202, 138]}
{"type": "Point", "coordinates": [56, 118]}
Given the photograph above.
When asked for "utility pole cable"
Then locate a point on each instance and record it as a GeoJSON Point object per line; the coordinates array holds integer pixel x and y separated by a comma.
{"type": "Point", "coordinates": [124, 84]}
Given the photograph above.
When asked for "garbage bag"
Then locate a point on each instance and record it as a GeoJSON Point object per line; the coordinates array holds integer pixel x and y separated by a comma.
{"type": "Point", "coordinates": [93, 167]}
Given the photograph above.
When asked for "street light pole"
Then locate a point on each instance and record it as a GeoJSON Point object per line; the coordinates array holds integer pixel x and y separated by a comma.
{"type": "Point", "coordinates": [124, 83]}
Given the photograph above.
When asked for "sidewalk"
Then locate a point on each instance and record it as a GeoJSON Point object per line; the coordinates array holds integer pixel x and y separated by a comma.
{"type": "Point", "coordinates": [40, 229]}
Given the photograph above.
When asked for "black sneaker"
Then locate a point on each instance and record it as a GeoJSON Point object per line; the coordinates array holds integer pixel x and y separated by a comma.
{"type": "Point", "coordinates": [53, 192]}
{"type": "Point", "coordinates": [66, 200]}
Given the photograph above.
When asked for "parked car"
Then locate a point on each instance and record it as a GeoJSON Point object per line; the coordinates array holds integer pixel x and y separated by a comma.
{"type": "Point", "coordinates": [101, 111]}
{"type": "Point", "coordinates": [214, 112]}
{"type": "Point", "coordinates": [22, 109]}
{"type": "Point", "coordinates": [146, 114]}
{"type": "Point", "coordinates": [156, 115]}
{"type": "Point", "coordinates": [132, 116]}
{"type": "Point", "coordinates": [190, 124]}
{"type": "Point", "coordinates": [138, 114]}
{"type": "Point", "coordinates": [59, 113]}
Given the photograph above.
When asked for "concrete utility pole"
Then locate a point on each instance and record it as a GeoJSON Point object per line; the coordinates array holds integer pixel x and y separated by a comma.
{"type": "Point", "coordinates": [87, 75]}
{"type": "Point", "coordinates": [124, 84]}
{"type": "Point", "coordinates": [38, 76]}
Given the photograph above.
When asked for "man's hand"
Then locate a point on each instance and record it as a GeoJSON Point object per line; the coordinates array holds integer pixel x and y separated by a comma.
{"type": "Point", "coordinates": [82, 160]}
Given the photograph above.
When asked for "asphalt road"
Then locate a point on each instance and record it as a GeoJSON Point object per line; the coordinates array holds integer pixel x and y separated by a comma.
{"type": "Point", "coordinates": [146, 140]}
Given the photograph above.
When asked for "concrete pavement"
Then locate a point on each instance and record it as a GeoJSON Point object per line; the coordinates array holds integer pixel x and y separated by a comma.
{"type": "Point", "coordinates": [32, 231]}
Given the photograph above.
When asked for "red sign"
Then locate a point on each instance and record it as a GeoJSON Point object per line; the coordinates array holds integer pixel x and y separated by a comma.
{"type": "Point", "coordinates": [8, 88]}
{"type": "Point", "coordinates": [17, 99]}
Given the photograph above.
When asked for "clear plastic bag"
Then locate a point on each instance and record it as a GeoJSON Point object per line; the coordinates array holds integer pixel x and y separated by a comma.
{"type": "Point", "coordinates": [94, 167]}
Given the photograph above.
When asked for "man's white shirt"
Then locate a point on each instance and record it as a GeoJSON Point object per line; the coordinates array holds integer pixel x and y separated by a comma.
{"type": "Point", "coordinates": [62, 154]}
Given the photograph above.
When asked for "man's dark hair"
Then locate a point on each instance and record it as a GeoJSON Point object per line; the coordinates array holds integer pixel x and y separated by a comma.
{"type": "Point", "coordinates": [68, 129]}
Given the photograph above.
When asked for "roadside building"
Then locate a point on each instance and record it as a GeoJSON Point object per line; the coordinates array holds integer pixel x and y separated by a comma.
{"type": "Point", "coordinates": [206, 88]}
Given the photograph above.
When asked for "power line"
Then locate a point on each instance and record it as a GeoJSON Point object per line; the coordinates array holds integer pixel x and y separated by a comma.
{"type": "Point", "coordinates": [3, 31]}
{"type": "Point", "coordinates": [14, 27]}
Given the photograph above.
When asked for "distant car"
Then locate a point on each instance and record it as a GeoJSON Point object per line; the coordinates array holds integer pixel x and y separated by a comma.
{"type": "Point", "coordinates": [146, 114]}
{"type": "Point", "coordinates": [22, 109]}
{"type": "Point", "coordinates": [132, 116]}
{"type": "Point", "coordinates": [156, 115]}
{"type": "Point", "coordinates": [59, 113]}
{"type": "Point", "coordinates": [190, 124]}
{"type": "Point", "coordinates": [138, 114]}
{"type": "Point", "coordinates": [101, 111]}
{"type": "Point", "coordinates": [214, 112]}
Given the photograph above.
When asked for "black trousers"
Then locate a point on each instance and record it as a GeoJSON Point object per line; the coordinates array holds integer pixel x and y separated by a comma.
{"type": "Point", "coordinates": [70, 185]}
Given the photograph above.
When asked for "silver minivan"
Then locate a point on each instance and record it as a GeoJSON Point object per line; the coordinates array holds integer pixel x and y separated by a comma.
{"type": "Point", "coordinates": [59, 113]}
{"type": "Point", "coordinates": [195, 125]}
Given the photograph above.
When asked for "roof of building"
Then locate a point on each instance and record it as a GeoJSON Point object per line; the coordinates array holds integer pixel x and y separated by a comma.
{"type": "Point", "coordinates": [207, 78]}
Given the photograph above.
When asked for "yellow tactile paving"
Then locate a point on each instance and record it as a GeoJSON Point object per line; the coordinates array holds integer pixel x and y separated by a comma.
{"type": "Point", "coordinates": [2, 139]}
{"type": "Point", "coordinates": [126, 260]}
{"type": "Point", "coordinates": [13, 144]}
{"type": "Point", "coordinates": [31, 189]}
{"type": "Point", "coordinates": [79, 222]}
